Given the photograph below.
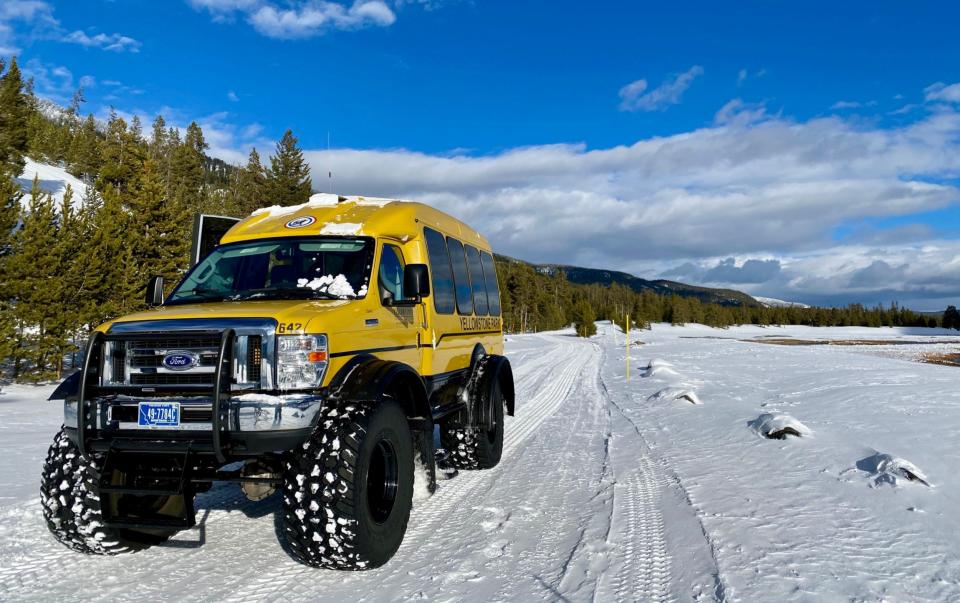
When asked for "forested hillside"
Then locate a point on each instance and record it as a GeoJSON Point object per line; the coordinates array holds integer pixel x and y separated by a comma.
{"type": "Point", "coordinates": [66, 266]}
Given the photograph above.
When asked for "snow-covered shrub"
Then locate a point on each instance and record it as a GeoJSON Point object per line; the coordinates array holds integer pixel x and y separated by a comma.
{"type": "Point", "coordinates": [675, 393]}
{"type": "Point", "coordinates": [890, 470]}
{"type": "Point", "coordinates": [778, 427]}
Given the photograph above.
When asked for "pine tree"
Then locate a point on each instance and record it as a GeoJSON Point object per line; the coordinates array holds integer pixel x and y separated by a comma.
{"type": "Point", "coordinates": [65, 324]}
{"type": "Point", "coordinates": [156, 228]}
{"type": "Point", "coordinates": [121, 156]}
{"type": "Point", "coordinates": [158, 140]}
{"type": "Point", "coordinates": [584, 318]}
{"type": "Point", "coordinates": [33, 272]}
{"type": "Point", "coordinates": [10, 196]}
{"type": "Point", "coordinates": [288, 181]}
{"type": "Point", "coordinates": [14, 117]}
{"type": "Point", "coordinates": [109, 267]}
{"type": "Point", "coordinates": [951, 318]}
{"type": "Point", "coordinates": [84, 155]}
{"type": "Point", "coordinates": [248, 189]}
{"type": "Point", "coordinates": [185, 186]}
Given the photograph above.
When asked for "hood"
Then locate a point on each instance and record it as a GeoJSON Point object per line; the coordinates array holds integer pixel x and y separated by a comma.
{"type": "Point", "coordinates": [283, 311]}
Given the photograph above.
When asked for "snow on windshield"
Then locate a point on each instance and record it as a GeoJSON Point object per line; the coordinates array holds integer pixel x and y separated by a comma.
{"type": "Point", "coordinates": [334, 285]}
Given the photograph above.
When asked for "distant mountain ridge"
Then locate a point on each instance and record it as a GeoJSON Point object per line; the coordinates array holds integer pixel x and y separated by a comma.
{"type": "Point", "coordinates": [591, 276]}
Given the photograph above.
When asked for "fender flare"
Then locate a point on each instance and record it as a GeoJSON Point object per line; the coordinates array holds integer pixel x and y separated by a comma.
{"type": "Point", "coordinates": [489, 371]}
{"type": "Point", "coordinates": [368, 378]}
{"type": "Point", "coordinates": [69, 388]}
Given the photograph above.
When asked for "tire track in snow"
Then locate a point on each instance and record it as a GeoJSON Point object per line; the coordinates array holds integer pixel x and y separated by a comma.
{"type": "Point", "coordinates": [645, 571]}
{"type": "Point", "coordinates": [651, 481]}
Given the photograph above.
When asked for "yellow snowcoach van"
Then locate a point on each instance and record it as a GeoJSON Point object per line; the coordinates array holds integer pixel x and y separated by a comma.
{"type": "Point", "coordinates": [319, 350]}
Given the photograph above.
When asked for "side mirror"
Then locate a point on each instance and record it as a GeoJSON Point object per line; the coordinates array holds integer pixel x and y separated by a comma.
{"type": "Point", "coordinates": [154, 296]}
{"type": "Point", "coordinates": [416, 281]}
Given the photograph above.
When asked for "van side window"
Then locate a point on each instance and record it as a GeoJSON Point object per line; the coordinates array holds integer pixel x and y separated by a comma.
{"type": "Point", "coordinates": [476, 278]}
{"type": "Point", "coordinates": [441, 276]}
{"type": "Point", "coordinates": [493, 287]}
{"type": "Point", "coordinates": [390, 274]}
{"type": "Point", "coordinates": [460, 277]}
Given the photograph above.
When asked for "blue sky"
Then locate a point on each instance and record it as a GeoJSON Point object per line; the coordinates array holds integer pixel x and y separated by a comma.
{"type": "Point", "coordinates": [820, 136]}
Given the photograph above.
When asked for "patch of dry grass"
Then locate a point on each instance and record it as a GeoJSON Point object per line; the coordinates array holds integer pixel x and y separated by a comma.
{"type": "Point", "coordinates": [944, 358]}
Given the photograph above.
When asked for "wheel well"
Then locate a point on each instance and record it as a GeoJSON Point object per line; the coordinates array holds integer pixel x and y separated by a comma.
{"type": "Point", "coordinates": [372, 379]}
{"type": "Point", "coordinates": [408, 390]}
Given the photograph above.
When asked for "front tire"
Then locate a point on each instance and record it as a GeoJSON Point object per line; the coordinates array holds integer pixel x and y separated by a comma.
{"type": "Point", "coordinates": [348, 493]}
{"type": "Point", "coordinates": [70, 497]}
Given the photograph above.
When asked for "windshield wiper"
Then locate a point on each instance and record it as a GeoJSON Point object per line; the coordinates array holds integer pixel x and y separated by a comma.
{"type": "Point", "coordinates": [297, 292]}
{"type": "Point", "coordinates": [203, 293]}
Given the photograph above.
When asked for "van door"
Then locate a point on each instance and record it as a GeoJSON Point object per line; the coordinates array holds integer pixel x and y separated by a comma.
{"type": "Point", "coordinates": [397, 328]}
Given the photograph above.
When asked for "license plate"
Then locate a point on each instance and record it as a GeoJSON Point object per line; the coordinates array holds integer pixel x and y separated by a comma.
{"type": "Point", "coordinates": [158, 414]}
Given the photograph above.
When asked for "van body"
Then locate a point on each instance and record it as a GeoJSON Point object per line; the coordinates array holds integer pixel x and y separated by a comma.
{"type": "Point", "coordinates": [343, 313]}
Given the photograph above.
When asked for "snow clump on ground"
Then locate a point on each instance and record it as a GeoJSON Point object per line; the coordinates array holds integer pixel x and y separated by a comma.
{"type": "Point", "coordinates": [778, 427]}
{"type": "Point", "coordinates": [890, 470]}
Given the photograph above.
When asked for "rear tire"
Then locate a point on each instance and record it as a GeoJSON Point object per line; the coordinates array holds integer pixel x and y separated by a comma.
{"type": "Point", "coordinates": [70, 498]}
{"type": "Point", "coordinates": [475, 446]}
{"type": "Point", "coordinates": [348, 492]}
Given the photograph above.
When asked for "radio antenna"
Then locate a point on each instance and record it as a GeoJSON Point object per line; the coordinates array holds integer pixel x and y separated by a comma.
{"type": "Point", "coordinates": [329, 172]}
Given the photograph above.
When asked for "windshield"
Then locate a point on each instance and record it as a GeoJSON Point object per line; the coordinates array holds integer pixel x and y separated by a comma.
{"type": "Point", "coordinates": [294, 268]}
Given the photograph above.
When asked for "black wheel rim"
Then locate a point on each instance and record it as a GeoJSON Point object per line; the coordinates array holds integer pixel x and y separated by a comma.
{"type": "Point", "coordinates": [492, 413]}
{"type": "Point", "coordinates": [382, 481]}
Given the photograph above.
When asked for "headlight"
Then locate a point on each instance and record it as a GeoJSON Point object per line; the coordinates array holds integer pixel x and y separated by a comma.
{"type": "Point", "coordinates": [301, 361]}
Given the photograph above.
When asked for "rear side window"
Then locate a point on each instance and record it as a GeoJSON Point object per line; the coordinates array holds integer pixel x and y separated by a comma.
{"type": "Point", "coordinates": [476, 279]}
{"type": "Point", "coordinates": [493, 288]}
{"type": "Point", "coordinates": [441, 276]}
{"type": "Point", "coordinates": [460, 277]}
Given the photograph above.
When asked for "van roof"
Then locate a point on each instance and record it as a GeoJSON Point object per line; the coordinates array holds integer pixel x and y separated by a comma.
{"type": "Point", "coordinates": [328, 214]}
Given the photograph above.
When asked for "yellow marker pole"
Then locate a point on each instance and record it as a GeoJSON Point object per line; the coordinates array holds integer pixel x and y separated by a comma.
{"type": "Point", "coordinates": [626, 332]}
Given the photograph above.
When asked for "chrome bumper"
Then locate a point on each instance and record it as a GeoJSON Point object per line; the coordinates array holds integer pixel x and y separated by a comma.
{"type": "Point", "coordinates": [247, 412]}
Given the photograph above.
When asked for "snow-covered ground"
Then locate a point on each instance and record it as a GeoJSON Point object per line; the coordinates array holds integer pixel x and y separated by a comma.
{"type": "Point", "coordinates": [607, 491]}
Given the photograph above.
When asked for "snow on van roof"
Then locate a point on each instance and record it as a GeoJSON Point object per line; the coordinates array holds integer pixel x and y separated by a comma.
{"type": "Point", "coordinates": [322, 200]}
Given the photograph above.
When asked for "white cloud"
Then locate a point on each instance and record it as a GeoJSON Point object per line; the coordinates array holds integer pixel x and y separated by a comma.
{"type": "Point", "coordinates": [743, 75]}
{"type": "Point", "coordinates": [302, 18]}
{"type": "Point", "coordinates": [55, 82]}
{"type": "Point", "coordinates": [37, 15]}
{"type": "Point", "coordinates": [232, 96]}
{"type": "Point", "coordinates": [33, 13]}
{"type": "Point", "coordinates": [839, 105]}
{"type": "Point", "coordinates": [737, 112]}
{"type": "Point", "coordinates": [758, 187]}
{"type": "Point", "coordinates": [113, 42]}
{"type": "Point", "coordinates": [942, 92]}
{"type": "Point", "coordinates": [634, 96]}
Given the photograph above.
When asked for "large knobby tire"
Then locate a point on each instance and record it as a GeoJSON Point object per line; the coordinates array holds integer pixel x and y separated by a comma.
{"type": "Point", "coordinates": [475, 446]}
{"type": "Point", "coordinates": [70, 499]}
{"type": "Point", "coordinates": [347, 493]}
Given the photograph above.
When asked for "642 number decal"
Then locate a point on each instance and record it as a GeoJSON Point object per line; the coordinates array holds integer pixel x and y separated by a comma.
{"type": "Point", "coordinates": [290, 327]}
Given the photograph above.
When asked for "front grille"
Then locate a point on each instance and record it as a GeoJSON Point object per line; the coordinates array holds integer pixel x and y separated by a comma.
{"type": "Point", "coordinates": [156, 361]}
{"type": "Point", "coordinates": [177, 343]}
{"type": "Point", "coordinates": [137, 360]}
{"type": "Point", "coordinates": [172, 379]}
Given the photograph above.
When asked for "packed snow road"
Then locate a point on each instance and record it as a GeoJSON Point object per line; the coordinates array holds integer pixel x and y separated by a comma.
{"type": "Point", "coordinates": [660, 488]}
{"type": "Point", "coordinates": [574, 510]}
